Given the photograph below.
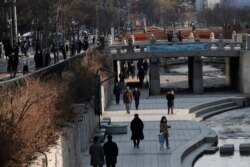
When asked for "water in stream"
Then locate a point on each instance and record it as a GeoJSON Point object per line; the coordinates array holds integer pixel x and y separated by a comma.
{"type": "Point", "coordinates": [175, 76]}
{"type": "Point", "coordinates": [232, 127]}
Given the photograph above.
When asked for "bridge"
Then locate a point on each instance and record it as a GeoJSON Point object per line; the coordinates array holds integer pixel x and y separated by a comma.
{"type": "Point", "coordinates": [236, 54]}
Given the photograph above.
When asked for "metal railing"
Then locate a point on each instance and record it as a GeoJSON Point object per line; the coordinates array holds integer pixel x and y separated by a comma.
{"type": "Point", "coordinates": [41, 73]}
{"type": "Point", "coordinates": [217, 44]}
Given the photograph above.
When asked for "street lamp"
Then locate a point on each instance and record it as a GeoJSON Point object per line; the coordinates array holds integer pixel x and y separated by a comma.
{"type": "Point", "coordinates": [12, 20]}
{"type": "Point", "coordinates": [97, 87]}
{"type": "Point", "coordinates": [9, 22]}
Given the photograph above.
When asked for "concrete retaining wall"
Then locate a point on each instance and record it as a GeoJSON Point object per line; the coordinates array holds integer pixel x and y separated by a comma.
{"type": "Point", "coordinates": [107, 93]}
{"type": "Point", "coordinates": [74, 139]}
{"type": "Point", "coordinates": [76, 136]}
{"type": "Point", "coordinates": [244, 74]}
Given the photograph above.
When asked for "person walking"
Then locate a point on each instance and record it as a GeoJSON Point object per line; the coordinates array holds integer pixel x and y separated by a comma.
{"type": "Point", "coordinates": [117, 92]}
{"type": "Point", "coordinates": [164, 130]}
{"type": "Point", "coordinates": [141, 76]}
{"type": "Point", "coordinates": [145, 66]}
{"type": "Point", "coordinates": [25, 62]}
{"type": "Point", "coordinates": [180, 36]}
{"type": "Point", "coordinates": [13, 62]}
{"type": "Point", "coordinates": [93, 40]}
{"type": "Point", "coordinates": [170, 98]}
{"type": "Point", "coordinates": [97, 153]}
{"type": "Point", "coordinates": [127, 99]}
{"type": "Point", "coordinates": [110, 151]}
{"type": "Point", "coordinates": [132, 70]}
{"type": "Point", "coordinates": [122, 81]}
{"type": "Point", "coordinates": [136, 126]}
{"type": "Point", "coordinates": [136, 95]}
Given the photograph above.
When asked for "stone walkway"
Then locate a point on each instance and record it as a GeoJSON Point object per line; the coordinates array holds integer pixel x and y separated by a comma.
{"type": "Point", "coordinates": [184, 131]}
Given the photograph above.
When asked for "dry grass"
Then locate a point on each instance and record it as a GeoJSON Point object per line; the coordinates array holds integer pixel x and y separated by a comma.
{"type": "Point", "coordinates": [84, 70]}
{"type": "Point", "coordinates": [30, 116]}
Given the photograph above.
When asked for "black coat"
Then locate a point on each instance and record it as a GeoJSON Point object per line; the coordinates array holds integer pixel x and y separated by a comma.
{"type": "Point", "coordinates": [170, 99]}
{"type": "Point", "coordinates": [136, 94]}
{"type": "Point", "coordinates": [117, 90]}
{"type": "Point", "coordinates": [136, 127]}
{"type": "Point", "coordinates": [111, 152]}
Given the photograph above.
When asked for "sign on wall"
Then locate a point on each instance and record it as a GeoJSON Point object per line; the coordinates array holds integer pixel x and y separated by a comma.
{"type": "Point", "coordinates": [177, 48]}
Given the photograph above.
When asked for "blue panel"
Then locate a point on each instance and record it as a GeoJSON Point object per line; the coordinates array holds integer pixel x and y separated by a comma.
{"type": "Point", "coordinates": [177, 48]}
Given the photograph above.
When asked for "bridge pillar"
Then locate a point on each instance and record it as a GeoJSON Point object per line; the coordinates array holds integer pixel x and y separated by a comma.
{"type": "Point", "coordinates": [117, 69]}
{"type": "Point", "coordinates": [232, 69]}
{"type": "Point", "coordinates": [244, 74]}
{"type": "Point", "coordinates": [195, 74]}
{"type": "Point", "coordinates": [190, 72]}
{"type": "Point", "coordinates": [154, 76]}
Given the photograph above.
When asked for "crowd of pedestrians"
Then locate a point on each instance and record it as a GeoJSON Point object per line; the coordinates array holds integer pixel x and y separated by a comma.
{"type": "Point", "coordinates": [20, 51]}
{"type": "Point", "coordinates": [108, 152]}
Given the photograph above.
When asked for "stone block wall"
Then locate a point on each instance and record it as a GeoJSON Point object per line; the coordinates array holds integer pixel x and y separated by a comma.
{"type": "Point", "coordinates": [75, 138]}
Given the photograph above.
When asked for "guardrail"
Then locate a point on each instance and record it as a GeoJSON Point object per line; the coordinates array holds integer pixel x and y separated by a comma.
{"type": "Point", "coordinates": [41, 73]}
{"type": "Point", "coordinates": [137, 47]}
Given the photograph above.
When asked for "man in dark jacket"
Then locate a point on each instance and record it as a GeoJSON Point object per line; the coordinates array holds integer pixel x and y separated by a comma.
{"type": "Point", "coordinates": [97, 154]}
{"type": "Point", "coordinates": [117, 92]}
{"type": "Point", "coordinates": [136, 95]}
{"type": "Point", "coordinates": [141, 75]}
{"type": "Point", "coordinates": [110, 152]}
{"type": "Point", "coordinates": [170, 98]}
{"type": "Point", "coordinates": [136, 126]}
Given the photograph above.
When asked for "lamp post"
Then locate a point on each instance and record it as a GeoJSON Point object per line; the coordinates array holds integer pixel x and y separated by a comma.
{"type": "Point", "coordinates": [11, 18]}
{"type": "Point", "coordinates": [97, 87]}
{"type": "Point", "coordinates": [9, 22]}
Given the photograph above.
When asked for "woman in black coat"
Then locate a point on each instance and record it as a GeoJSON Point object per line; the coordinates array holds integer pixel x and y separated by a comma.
{"type": "Point", "coordinates": [136, 127]}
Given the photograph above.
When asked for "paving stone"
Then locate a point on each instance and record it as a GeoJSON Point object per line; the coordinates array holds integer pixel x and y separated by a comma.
{"type": "Point", "coordinates": [151, 110]}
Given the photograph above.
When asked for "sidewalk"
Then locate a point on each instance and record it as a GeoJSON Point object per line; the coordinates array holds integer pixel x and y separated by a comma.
{"type": "Point", "coordinates": [184, 131]}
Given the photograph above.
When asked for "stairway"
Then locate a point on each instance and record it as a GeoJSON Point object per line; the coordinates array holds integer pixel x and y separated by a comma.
{"type": "Point", "coordinates": [206, 110]}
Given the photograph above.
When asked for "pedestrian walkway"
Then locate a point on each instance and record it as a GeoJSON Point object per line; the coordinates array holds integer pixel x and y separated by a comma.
{"type": "Point", "coordinates": [185, 133]}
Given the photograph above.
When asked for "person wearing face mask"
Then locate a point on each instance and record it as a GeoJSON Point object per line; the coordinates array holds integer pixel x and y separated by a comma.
{"type": "Point", "coordinates": [164, 130]}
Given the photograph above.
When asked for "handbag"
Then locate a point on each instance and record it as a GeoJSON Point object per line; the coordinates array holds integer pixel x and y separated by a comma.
{"type": "Point", "coordinates": [161, 138]}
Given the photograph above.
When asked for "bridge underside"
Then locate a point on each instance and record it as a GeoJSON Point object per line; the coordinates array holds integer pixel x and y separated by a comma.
{"type": "Point", "coordinates": [143, 55]}
{"type": "Point", "coordinates": [195, 72]}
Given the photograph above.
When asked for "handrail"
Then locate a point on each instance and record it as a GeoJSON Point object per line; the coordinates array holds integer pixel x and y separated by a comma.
{"type": "Point", "coordinates": [217, 44]}
{"type": "Point", "coordinates": [20, 81]}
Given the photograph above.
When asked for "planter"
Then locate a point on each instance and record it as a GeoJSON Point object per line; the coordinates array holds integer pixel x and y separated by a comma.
{"type": "Point", "coordinates": [116, 129]}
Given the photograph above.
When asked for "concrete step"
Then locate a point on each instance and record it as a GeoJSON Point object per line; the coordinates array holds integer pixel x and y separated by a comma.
{"type": "Point", "coordinates": [212, 113]}
{"type": "Point", "coordinates": [214, 107]}
{"type": "Point", "coordinates": [206, 110]}
{"type": "Point", "coordinates": [190, 159]}
{"type": "Point", "coordinates": [204, 105]}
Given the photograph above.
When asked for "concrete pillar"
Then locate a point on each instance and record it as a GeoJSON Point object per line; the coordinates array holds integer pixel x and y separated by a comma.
{"type": "Point", "coordinates": [248, 41]}
{"type": "Point", "coordinates": [190, 72]}
{"type": "Point", "coordinates": [154, 76]}
{"type": "Point", "coordinates": [197, 75]}
{"type": "Point", "coordinates": [232, 69]}
{"type": "Point", "coordinates": [244, 72]}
